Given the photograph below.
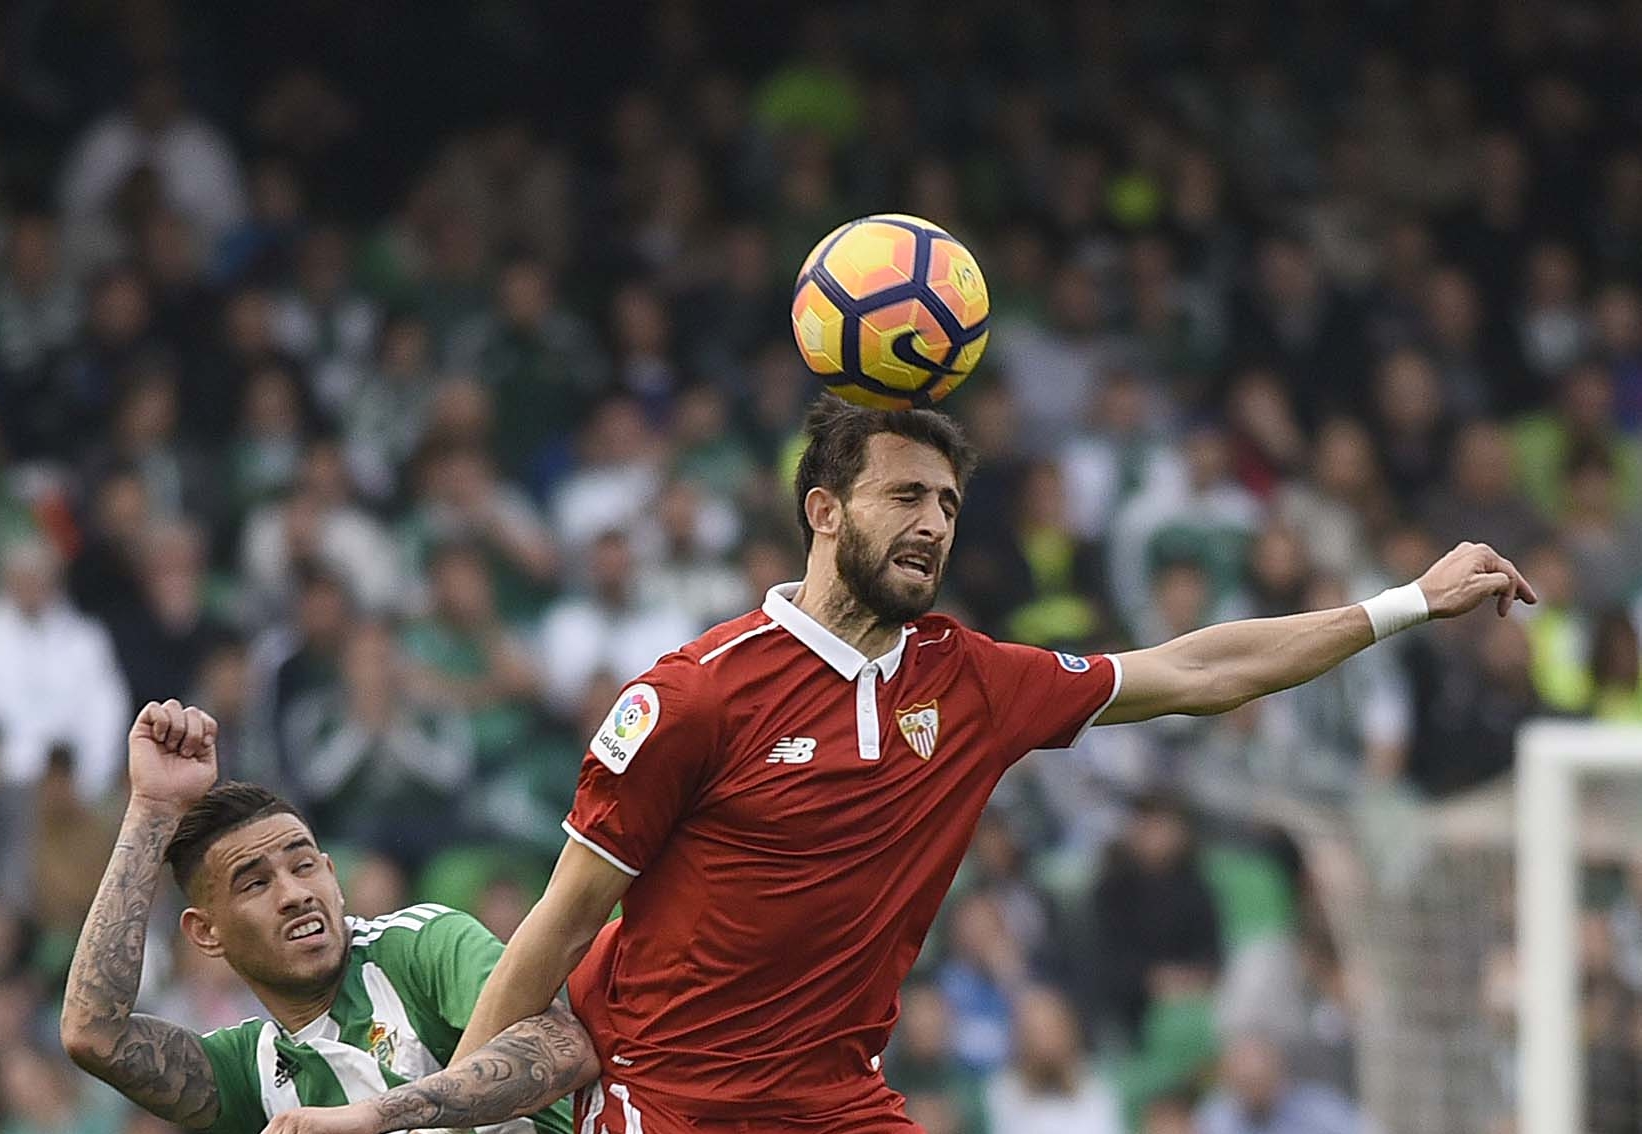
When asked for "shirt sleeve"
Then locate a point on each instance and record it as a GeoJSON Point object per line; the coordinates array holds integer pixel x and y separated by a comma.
{"type": "Point", "coordinates": [454, 957]}
{"type": "Point", "coordinates": [645, 766]}
{"type": "Point", "coordinates": [232, 1053]}
{"type": "Point", "coordinates": [1043, 698]}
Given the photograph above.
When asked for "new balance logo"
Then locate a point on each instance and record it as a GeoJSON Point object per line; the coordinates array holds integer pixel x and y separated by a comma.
{"type": "Point", "coordinates": [792, 750]}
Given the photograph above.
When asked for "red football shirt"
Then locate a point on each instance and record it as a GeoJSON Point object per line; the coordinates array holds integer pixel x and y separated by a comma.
{"type": "Point", "coordinates": [793, 814]}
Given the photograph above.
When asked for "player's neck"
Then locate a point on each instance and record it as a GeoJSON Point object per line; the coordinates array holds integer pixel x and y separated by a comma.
{"type": "Point", "coordinates": [296, 1010]}
{"type": "Point", "coordinates": [830, 603]}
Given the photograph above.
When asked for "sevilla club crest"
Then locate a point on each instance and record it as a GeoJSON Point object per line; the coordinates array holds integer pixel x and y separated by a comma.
{"type": "Point", "coordinates": [921, 726]}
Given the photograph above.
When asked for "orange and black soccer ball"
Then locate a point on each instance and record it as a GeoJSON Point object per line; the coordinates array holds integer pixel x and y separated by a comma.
{"type": "Point", "coordinates": [890, 311]}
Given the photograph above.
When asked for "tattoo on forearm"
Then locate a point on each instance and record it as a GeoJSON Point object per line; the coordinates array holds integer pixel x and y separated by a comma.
{"type": "Point", "coordinates": [156, 1064]}
{"type": "Point", "coordinates": [530, 1065]}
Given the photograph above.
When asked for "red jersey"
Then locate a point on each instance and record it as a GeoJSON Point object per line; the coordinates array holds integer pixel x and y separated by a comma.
{"type": "Point", "coordinates": [793, 814]}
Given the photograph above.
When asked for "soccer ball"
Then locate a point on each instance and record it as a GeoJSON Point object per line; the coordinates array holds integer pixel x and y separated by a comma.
{"type": "Point", "coordinates": [890, 311]}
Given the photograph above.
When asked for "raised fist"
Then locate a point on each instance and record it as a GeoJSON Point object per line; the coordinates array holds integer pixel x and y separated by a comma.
{"type": "Point", "coordinates": [172, 753]}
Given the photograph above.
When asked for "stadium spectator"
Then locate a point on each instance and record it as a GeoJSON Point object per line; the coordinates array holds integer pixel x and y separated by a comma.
{"type": "Point", "coordinates": [461, 499]}
{"type": "Point", "coordinates": [1470, 696]}
{"type": "Point", "coordinates": [386, 405]}
{"type": "Point", "coordinates": [103, 578]}
{"type": "Point", "coordinates": [543, 366]}
{"type": "Point", "coordinates": [264, 454]}
{"type": "Point", "coordinates": [985, 970]}
{"type": "Point", "coordinates": [40, 308]}
{"type": "Point", "coordinates": [69, 835]}
{"type": "Point", "coordinates": [1581, 418]}
{"type": "Point", "coordinates": [1258, 1095]}
{"type": "Point", "coordinates": [691, 572]}
{"type": "Point", "coordinates": [1157, 929]}
{"type": "Point", "coordinates": [145, 434]}
{"type": "Point", "coordinates": [1047, 1087]}
{"type": "Point", "coordinates": [1602, 540]}
{"type": "Point", "coordinates": [1412, 428]}
{"type": "Point", "coordinates": [194, 168]}
{"type": "Point", "coordinates": [1054, 370]}
{"type": "Point", "coordinates": [370, 760]}
{"type": "Point", "coordinates": [1209, 518]}
{"type": "Point", "coordinates": [162, 640]}
{"type": "Point", "coordinates": [60, 680]}
{"type": "Point", "coordinates": [318, 524]}
{"type": "Point", "coordinates": [1293, 320]}
{"type": "Point", "coordinates": [1479, 497]}
{"type": "Point", "coordinates": [462, 655]}
{"type": "Point", "coordinates": [68, 405]}
{"type": "Point", "coordinates": [320, 319]}
{"type": "Point", "coordinates": [922, 1066]}
{"type": "Point", "coordinates": [41, 1094]}
{"type": "Point", "coordinates": [1125, 453]}
{"type": "Point", "coordinates": [609, 626]}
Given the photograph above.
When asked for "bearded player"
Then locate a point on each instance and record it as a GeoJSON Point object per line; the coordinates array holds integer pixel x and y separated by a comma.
{"type": "Point", "coordinates": [357, 1006]}
{"type": "Point", "coordinates": [781, 805]}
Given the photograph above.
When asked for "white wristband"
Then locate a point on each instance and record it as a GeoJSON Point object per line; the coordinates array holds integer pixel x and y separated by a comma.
{"type": "Point", "coordinates": [1396, 609]}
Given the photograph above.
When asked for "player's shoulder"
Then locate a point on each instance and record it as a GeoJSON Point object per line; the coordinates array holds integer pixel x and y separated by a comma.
{"type": "Point", "coordinates": [940, 636]}
{"type": "Point", "coordinates": [728, 644]}
{"type": "Point", "coordinates": [373, 937]}
{"type": "Point", "coordinates": [937, 636]}
{"type": "Point", "coordinates": [242, 1036]}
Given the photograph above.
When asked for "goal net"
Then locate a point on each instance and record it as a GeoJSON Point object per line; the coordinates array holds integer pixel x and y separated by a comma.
{"type": "Point", "coordinates": [1494, 941]}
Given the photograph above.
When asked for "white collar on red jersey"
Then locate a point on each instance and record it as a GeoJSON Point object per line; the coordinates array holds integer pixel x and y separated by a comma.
{"type": "Point", "coordinates": [843, 657]}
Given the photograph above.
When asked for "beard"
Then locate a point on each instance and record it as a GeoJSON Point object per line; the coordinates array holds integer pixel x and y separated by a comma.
{"type": "Point", "coordinates": [873, 583]}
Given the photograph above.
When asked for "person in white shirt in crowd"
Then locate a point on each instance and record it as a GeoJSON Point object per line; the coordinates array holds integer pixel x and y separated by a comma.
{"type": "Point", "coordinates": [1126, 453]}
{"type": "Point", "coordinates": [322, 320]}
{"type": "Point", "coordinates": [60, 684]}
{"type": "Point", "coordinates": [197, 172]}
{"type": "Point", "coordinates": [1056, 372]}
{"type": "Point", "coordinates": [612, 625]}
{"type": "Point", "coordinates": [1209, 517]}
{"type": "Point", "coordinates": [690, 568]}
{"type": "Point", "coordinates": [617, 479]}
{"type": "Point", "coordinates": [1049, 1086]}
{"type": "Point", "coordinates": [318, 522]}
{"type": "Point", "coordinates": [59, 680]}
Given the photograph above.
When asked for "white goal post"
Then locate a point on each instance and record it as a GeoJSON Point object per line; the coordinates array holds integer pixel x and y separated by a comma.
{"type": "Point", "coordinates": [1552, 757]}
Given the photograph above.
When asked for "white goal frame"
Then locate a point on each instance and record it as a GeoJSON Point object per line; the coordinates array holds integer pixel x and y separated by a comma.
{"type": "Point", "coordinates": [1551, 756]}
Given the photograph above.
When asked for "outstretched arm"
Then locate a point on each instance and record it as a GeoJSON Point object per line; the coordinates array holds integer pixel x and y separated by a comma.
{"type": "Point", "coordinates": [547, 945]}
{"type": "Point", "coordinates": [529, 1066]}
{"type": "Point", "coordinates": [1221, 667]}
{"type": "Point", "coordinates": [157, 1065]}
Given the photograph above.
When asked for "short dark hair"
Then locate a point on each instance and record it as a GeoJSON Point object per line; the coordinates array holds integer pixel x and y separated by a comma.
{"type": "Point", "coordinates": [225, 808]}
{"type": "Point", "coordinates": [837, 452]}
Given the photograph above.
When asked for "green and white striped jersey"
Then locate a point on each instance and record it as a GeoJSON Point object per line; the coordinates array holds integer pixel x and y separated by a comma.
{"type": "Point", "coordinates": [412, 980]}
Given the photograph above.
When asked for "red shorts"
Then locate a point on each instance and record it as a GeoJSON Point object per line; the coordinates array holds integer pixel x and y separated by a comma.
{"type": "Point", "coordinates": [606, 1107]}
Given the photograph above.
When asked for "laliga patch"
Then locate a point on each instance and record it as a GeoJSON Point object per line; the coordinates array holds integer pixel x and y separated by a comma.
{"type": "Point", "coordinates": [627, 727]}
{"type": "Point", "coordinates": [1072, 663]}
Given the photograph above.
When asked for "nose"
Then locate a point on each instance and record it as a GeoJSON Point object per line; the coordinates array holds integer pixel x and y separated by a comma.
{"type": "Point", "coordinates": [294, 896]}
{"type": "Point", "coordinates": [933, 522]}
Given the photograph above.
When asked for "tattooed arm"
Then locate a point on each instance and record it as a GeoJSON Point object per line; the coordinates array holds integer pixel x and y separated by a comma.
{"type": "Point", "coordinates": [532, 1064]}
{"type": "Point", "coordinates": [157, 1065]}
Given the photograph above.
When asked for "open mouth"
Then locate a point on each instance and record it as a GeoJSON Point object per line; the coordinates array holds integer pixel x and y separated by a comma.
{"type": "Point", "coordinates": [307, 928]}
{"type": "Point", "coordinates": [920, 565]}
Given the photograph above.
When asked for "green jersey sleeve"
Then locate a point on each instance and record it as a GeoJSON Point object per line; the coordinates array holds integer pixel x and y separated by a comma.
{"type": "Point", "coordinates": [233, 1055]}
{"type": "Point", "coordinates": [455, 955]}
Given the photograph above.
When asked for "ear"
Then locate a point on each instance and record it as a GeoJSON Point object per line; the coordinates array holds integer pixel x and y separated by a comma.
{"type": "Point", "coordinates": [200, 932]}
{"type": "Point", "coordinates": [824, 510]}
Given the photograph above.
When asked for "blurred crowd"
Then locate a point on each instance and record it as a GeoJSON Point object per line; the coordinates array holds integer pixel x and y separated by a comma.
{"type": "Point", "coordinates": [396, 383]}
